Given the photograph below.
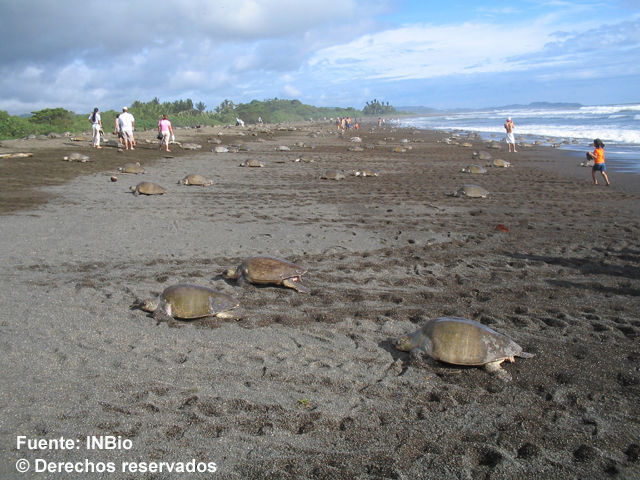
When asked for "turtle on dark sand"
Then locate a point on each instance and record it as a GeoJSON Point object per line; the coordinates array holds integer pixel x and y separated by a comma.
{"type": "Point", "coordinates": [131, 167]}
{"type": "Point", "coordinates": [186, 302]}
{"type": "Point", "coordinates": [148, 188]}
{"type": "Point", "coordinates": [268, 271]}
{"type": "Point", "coordinates": [471, 191]}
{"type": "Point", "coordinates": [333, 175]}
{"type": "Point", "coordinates": [195, 179]}
{"type": "Point", "coordinates": [462, 342]}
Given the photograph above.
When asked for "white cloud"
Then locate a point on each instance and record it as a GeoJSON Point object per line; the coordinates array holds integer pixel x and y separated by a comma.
{"type": "Point", "coordinates": [427, 51]}
{"type": "Point", "coordinates": [291, 91]}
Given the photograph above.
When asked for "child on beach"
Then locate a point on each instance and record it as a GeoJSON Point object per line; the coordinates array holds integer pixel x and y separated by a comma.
{"type": "Point", "coordinates": [598, 161]}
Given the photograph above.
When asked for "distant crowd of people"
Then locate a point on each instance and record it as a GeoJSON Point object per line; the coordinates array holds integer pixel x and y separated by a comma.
{"type": "Point", "coordinates": [345, 123]}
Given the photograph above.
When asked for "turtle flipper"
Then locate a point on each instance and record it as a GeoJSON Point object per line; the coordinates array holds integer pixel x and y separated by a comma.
{"type": "Point", "coordinates": [296, 285]}
{"type": "Point", "coordinates": [496, 369]}
{"type": "Point", "coordinates": [227, 315]}
{"type": "Point", "coordinates": [161, 316]}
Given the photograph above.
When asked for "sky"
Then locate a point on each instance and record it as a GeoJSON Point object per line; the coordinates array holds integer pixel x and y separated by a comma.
{"type": "Point", "coordinates": [79, 54]}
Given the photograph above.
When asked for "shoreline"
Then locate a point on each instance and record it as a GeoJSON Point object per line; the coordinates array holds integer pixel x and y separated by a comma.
{"type": "Point", "coordinates": [21, 179]}
{"type": "Point", "coordinates": [304, 386]}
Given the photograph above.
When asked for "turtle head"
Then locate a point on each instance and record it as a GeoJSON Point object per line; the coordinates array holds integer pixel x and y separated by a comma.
{"type": "Point", "coordinates": [149, 305]}
{"type": "Point", "coordinates": [403, 343]}
{"type": "Point", "coordinates": [231, 273]}
{"type": "Point", "coordinates": [413, 341]}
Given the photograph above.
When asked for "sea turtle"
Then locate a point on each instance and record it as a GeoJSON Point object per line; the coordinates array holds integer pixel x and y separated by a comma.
{"type": "Point", "coordinates": [498, 162]}
{"type": "Point", "coordinates": [186, 302]}
{"type": "Point", "coordinates": [333, 175]}
{"type": "Point", "coordinates": [462, 342]}
{"type": "Point", "coordinates": [252, 162]}
{"type": "Point", "coordinates": [588, 162]}
{"type": "Point", "coordinates": [482, 155]}
{"type": "Point", "coordinates": [148, 188]}
{"type": "Point", "coordinates": [76, 157]}
{"type": "Point", "coordinates": [268, 270]}
{"type": "Point", "coordinates": [220, 149]}
{"type": "Point", "coordinates": [134, 168]}
{"type": "Point", "coordinates": [365, 172]}
{"type": "Point", "coordinates": [194, 179]}
{"type": "Point", "coordinates": [191, 146]}
{"type": "Point", "coordinates": [472, 191]}
{"type": "Point", "coordinates": [474, 169]}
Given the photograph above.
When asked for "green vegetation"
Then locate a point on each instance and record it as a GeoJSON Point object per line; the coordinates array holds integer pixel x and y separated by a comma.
{"type": "Point", "coordinates": [378, 108]}
{"type": "Point", "coordinates": [181, 113]}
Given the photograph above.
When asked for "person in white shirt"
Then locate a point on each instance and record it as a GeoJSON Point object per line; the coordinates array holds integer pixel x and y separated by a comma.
{"type": "Point", "coordinates": [96, 127]}
{"type": "Point", "coordinates": [127, 124]}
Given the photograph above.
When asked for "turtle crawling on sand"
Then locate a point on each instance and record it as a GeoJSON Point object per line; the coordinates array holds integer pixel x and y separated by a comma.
{"type": "Point", "coordinates": [474, 169]}
{"type": "Point", "coordinates": [333, 175]}
{"type": "Point", "coordinates": [184, 301]}
{"type": "Point", "coordinates": [268, 270]}
{"type": "Point", "coordinates": [366, 172]}
{"type": "Point", "coordinates": [148, 188]}
{"type": "Point", "coordinates": [194, 179]}
{"type": "Point", "coordinates": [462, 342]}
{"type": "Point", "coordinates": [76, 157]}
{"type": "Point", "coordinates": [252, 162]}
{"type": "Point", "coordinates": [131, 167]}
{"type": "Point", "coordinates": [471, 191]}
{"type": "Point", "coordinates": [498, 162]}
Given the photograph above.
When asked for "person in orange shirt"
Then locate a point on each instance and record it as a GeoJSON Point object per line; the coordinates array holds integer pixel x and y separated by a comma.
{"type": "Point", "coordinates": [598, 161]}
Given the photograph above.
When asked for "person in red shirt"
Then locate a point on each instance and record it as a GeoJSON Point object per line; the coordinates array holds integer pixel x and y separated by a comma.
{"type": "Point", "coordinates": [598, 161]}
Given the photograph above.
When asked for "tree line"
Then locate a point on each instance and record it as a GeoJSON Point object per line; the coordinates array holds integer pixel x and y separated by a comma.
{"type": "Point", "coordinates": [182, 113]}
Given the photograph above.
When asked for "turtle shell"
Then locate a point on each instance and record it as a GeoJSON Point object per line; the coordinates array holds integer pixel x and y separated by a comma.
{"type": "Point", "coordinates": [475, 169]}
{"type": "Point", "coordinates": [462, 342]}
{"type": "Point", "coordinates": [195, 179]}
{"type": "Point", "coordinates": [264, 270]}
{"type": "Point", "coordinates": [134, 168]}
{"type": "Point", "coordinates": [148, 188]}
{"type": "Point", "coordinates": [498, 162]}
{"type": "Point", "coordinates": [193, 301]}
{"type": "Point", "coordinates": [473, 191]}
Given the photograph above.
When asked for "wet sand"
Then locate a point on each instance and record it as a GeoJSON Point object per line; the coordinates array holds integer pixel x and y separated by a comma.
{"type": "Point", "coordinates": [310, 386]}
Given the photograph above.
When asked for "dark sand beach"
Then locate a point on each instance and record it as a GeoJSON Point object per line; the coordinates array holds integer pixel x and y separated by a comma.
{"type": "Point", "coordinates": [309, 386]}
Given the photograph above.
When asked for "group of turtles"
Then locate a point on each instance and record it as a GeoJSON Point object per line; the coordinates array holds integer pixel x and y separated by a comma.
{"type": "Point", "coordinates": [186, 302]}
{"type": "Point", "coordinates": [476, 191]}
{"type": "Point", "coordinates": [150, 188]}
{"type": "Point", "coordinates": [451, 340]}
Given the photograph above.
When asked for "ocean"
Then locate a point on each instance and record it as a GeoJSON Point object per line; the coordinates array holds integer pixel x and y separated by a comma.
{"type": "Point", "coordinates": [571, 128]}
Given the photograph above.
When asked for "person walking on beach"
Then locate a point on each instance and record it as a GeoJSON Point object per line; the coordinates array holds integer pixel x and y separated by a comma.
{"type": "Point", "coordinates": [127, 124]}
{"type": "Point", "coordinates": [511, 139]}
{"type": "Point", "coordinates": [96, 127]}
{"type": "Point", "coordinates": [166, 130]}
{"type": "Point", "coordinates": [117, 130]}
{"type": "Point", "coordinates": [598, 161]}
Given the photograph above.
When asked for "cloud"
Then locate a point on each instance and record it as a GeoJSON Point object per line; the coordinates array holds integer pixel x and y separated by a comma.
{"type": "Point", "coordinates": [108, 54]}
{"type": "Point", "coordinates": [291, 91]}
{"type": "Point", "coordinates": [124, 50]}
